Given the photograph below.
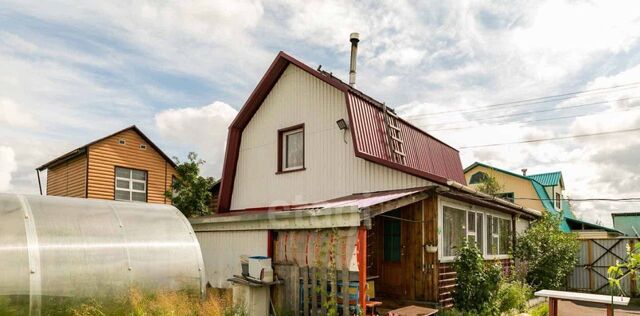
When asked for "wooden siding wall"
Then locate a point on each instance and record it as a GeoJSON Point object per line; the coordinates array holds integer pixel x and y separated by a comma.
{"type": "Point", "coordinates": [68, 178]}
{"type": "Point", "coordinates": [409, 279]}
{"type": "Point", "coordinates": [332, 170]}
{"type": "Point", "coordinates": [105, 155]}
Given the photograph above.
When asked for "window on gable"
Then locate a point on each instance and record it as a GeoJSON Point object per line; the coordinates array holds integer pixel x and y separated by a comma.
{"type": "Point", "coordinates": [558, 200]}
{"type": "Point", "coordinates": [131, 185]}
{"type": "Point", "coordinates": [291, 149]}
{"type": "Point", "coordinates": [478, 177]}
{"type": "Point", "coordinates": [509, 196]}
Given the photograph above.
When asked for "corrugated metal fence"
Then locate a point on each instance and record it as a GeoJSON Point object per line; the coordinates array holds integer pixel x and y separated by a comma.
{"type": "Point", "coordinates": [595, 257]}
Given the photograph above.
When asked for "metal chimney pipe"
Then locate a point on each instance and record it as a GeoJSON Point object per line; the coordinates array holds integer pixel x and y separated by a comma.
{"type": "Point", "coordinates": [524, 171]}
{"type": "Point", "coordinates": [354, 38]}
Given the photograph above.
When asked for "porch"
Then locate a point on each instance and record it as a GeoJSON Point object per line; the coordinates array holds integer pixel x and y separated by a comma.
{"type": "Point", "coordinates": [380, 246]}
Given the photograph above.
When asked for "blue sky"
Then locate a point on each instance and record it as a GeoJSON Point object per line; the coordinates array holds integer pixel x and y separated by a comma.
{"type": "Point", "coordinates": [73, 72]}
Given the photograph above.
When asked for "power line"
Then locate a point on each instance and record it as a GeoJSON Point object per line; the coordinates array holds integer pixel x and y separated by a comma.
{"type": "Point", "coordinates": [532, 101]}
{"type": "Point", "coordinates": [532, 121]}
{"type": "Point", "coordinates": [539, 111]}
{"type": "Point", "coordinates": [552, 138]}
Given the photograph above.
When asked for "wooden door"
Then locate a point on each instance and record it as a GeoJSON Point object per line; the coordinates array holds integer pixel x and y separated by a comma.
{"type": "Point", "coordinates": [391, 263]}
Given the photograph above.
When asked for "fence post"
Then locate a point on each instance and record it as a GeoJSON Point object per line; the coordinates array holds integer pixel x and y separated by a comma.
{"type": "Point", "coordinates": [589, 263]}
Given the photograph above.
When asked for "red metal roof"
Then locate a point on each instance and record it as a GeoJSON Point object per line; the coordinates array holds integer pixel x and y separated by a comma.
{"type": "Point", "coordinates": [427, 157]}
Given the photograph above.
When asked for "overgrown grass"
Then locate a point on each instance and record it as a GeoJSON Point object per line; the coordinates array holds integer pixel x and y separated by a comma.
{"type": "Point", "coordinates": [136, 303]}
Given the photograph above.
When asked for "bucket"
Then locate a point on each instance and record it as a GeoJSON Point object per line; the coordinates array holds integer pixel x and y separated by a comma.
{"type": "Point", "coordinates": [244, 262]}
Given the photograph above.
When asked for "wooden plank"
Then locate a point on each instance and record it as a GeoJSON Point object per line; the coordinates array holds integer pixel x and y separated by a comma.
{"type": "Point", "coordinates": [395, 204]}
{"type": "Point", "coordinates": [314, 293]}
{"type": "Point", "coordinates": [333, 282]}
{"type": "Point", "coordinates": [323, 290]}
{"type": "Point", "coordinates": [345, 291]}
{"type": "Point", "coordinates": [304, 272]}
{"type": "Point", "coordinates": [583, 297]}
{"type": "Point", "coordinates": [286, 297]}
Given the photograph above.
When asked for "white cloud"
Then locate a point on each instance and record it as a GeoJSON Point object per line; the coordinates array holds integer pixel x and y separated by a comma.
{"type": "Point", "coordinates": [200, 129]}
{"type": "Point", "coordinates": [14, 115]}
{"type": "Point", "coordinates": [8, 165]}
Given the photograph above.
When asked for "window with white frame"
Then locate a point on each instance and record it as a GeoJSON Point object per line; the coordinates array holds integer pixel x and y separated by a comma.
{"type": "Point", "coordinates": [498, 235]}
{"type": "Point", "coordinates": [291, 149]}
{"type": "Point", "coordinates": [454, 230]}
{"type": "Point", "coordinates": [131, 185]}
{"type": "Point", "coordinates": [491, 233]}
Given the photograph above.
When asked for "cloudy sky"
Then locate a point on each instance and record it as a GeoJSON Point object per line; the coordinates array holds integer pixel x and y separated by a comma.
{"type": "Point", "coordinates": [73, 72]}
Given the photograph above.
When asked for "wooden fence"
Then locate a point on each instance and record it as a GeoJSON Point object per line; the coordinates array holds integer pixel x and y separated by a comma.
{"type": "Point", "coordinates": [307, 289]}
{"type": "Point", "coordinates": [595, 257]}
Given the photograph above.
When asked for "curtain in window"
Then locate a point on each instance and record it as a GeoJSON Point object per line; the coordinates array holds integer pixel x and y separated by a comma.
{"type": "Point", "coordinates": [295, 145]}
{"type": "Point", "coordinates": [454, 231]}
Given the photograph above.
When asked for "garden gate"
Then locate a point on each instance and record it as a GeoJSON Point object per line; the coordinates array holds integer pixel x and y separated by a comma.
{"type": "Point", "coordinates": [595, 256]}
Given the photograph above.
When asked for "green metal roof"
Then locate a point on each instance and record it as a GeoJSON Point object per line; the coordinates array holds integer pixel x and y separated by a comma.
{"type": "Point", "coordinates": [547, 179]}
{"type": "Point", "coordinates": [588, 225]}
{"type": "Point", "coordinates": [539, 181]}
{"type": "Point", "coordinates": [627, 223]}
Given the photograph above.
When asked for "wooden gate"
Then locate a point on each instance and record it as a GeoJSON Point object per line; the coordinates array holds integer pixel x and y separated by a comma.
{"type": "Point", "coordinates": [595, 257]}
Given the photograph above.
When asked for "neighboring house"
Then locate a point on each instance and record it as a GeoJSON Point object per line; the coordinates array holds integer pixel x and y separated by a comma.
{"type": "Point", "coordinates": [543, 191]}
{"type": "Point", "coordinates": [627, 222]}
{"type": "Point", "coordinates": [309, 156]}
{"type": "Point", "coordinates": [124, 166]}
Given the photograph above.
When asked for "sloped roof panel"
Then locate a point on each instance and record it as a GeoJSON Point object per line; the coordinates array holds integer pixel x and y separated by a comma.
{"type": "Point", "coordinates": [547, 179]}
{"type": "Point", "coordinates": [426, 156]}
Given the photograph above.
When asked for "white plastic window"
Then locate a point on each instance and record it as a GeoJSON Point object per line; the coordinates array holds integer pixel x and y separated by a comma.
{"type": "Point", "coordinates": [131, 185]}
{"type": "Point", "coordinates": [293, 150]}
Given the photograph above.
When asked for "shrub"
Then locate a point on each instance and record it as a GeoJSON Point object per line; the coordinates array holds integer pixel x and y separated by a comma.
{"type": "Point", "coordinates": [513, 296]}
{"type": "Point", "coordinates": [549, 253]}
{"type": "Point", "coordinates": [540, 310]}
{"type": "Point", "coordinates": [477, 283]}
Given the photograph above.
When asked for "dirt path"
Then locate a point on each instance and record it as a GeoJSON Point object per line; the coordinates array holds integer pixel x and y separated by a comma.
{"type": "Point", "coordinates": [567, 308]}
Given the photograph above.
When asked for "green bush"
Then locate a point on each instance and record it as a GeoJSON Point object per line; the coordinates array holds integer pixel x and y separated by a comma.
{"type": "Point", "coordinates": [513, 296]}
{"type": "Point", "coordinates": [477, 283]}
{"type": "Point", "coordinates": [540, 310]}
{"type": "Point", "coordinates": [548, 253]}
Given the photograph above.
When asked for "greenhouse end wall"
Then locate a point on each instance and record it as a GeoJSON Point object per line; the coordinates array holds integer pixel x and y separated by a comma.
{"type": "Point", "coordinates": [53, 248]}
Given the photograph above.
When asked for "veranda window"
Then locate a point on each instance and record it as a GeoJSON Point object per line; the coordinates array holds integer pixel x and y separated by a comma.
{"type": "Point", "coordinates": [454, 230]}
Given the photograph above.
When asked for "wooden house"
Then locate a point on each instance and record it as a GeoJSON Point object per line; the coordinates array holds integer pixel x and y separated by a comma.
{"type": "Point", "coordinates": [125, 166]}
{"type": "Point", "coordinates": [317, 170]}
{"type": "Point", "coordinates": [544, 191]}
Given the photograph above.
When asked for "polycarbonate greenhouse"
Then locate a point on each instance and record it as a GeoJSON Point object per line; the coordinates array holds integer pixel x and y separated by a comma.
{"type": "Point", "coordinates": [55, 247]}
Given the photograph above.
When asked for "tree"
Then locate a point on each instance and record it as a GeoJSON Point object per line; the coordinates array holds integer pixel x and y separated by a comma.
{"type": "Point", "coordinates": [548, 253]}
{"type": "Point", "coordinates": [191, 192]}
{"type": "Point", "coordinates": [489, 185]}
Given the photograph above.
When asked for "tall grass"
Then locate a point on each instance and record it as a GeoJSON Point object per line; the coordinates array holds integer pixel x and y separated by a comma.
{"type": "Point", "coordinates": [134, 303]}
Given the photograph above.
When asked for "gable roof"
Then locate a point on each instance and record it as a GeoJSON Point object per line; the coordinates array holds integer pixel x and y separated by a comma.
{"type": "Point", "coordinates": [548, 179]}
{"type": "Point", "coordinates": [537, 186]}
{"type": "Point", "coordinates": [83, 149]}
{"type": "Point", "coordinates": [426, 156]}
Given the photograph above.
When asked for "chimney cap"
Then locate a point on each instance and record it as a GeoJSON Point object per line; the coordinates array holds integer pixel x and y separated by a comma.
{"type": "Point", "coordinates": [524, 171]}
{"type": "Point", "coordinates": [354, 37]}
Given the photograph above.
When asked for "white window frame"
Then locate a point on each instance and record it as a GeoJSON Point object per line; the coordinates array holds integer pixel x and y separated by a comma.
{"type": "Point", "coordinates": [131, 181]}
{"type": "Point", "coordinates": [442, 202]}
{"type": "Point", "coordinates": [284, 149]}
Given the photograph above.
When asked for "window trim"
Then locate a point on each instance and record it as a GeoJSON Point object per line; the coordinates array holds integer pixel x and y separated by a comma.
{"type": "Point", "coordinates": [146, 184]}
{"type": "Point", "coordinates": [442, 202]}
{"type": "Point", "coordinates": [281, 133]}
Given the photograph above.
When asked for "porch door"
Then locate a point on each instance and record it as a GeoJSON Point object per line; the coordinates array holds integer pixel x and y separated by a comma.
{"type": "Point", "coordinates": [392, 275]}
